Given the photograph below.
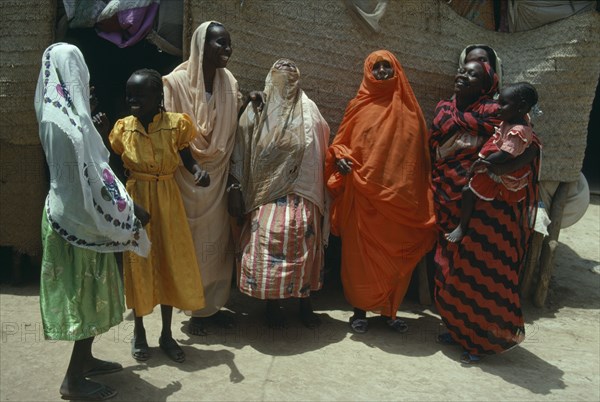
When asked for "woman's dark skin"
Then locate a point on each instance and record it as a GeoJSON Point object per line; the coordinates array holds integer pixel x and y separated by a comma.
{"type": "Point", "coordinates": [217, 51]}
{"type": "Point", "coordinates": [468, 84]}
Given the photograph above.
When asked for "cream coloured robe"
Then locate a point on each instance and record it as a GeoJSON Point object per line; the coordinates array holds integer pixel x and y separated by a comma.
{"type": "Point", "coordinates": [206, 207]}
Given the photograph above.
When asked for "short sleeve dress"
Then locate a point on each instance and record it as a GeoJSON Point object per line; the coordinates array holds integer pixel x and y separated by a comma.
{"type": "Point", "coordinates": [514, 139]}
{"type": "Point", "coordinates": [169, 275]}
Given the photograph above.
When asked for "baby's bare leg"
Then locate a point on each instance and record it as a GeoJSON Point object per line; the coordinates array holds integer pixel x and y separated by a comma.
{"type": "Point", "coordinates": [467, 203]}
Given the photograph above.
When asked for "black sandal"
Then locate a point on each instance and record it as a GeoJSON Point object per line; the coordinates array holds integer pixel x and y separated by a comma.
{"type": "Point", "coordinates": [172, 349]}
{"type": "Point", "coordinates": [397, 325]}
{"type": "Point", "coordinates": [141, 351]}
{"type": "Point", "coordinates": [359, 325]}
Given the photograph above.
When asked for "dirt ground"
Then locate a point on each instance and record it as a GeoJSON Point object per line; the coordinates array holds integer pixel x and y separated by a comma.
{"type": "Point", "coordinates": [559, 360]}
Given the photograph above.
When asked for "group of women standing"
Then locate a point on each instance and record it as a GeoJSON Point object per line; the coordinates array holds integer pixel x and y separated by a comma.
{"type": "Point", "coordinates": [273, 188]}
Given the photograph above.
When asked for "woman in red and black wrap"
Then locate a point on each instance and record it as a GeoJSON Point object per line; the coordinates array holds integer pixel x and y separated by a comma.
{"type": "Point", "coordinates": [477, 279]}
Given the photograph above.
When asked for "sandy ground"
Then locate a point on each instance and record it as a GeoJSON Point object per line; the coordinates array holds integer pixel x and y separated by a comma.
{"type": "Point", "coordinates": [559, 360]}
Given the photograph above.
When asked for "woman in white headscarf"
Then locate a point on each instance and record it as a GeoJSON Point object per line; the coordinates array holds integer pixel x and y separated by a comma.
{"type": "Point", "coordinates": [278, 165]}
{"type": "Point", "coordinates": [87, 216]}
{"type": "Point", "coordinates": [204, 89]}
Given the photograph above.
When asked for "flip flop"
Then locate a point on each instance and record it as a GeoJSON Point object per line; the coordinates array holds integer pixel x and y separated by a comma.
{"type": "Point", "coordinates": [468, 358]}
{"type": "Point", "coordinates": [397, 325]}
{"type": "Point", "coordinates": [104, 367]}
{"type": "Point", "coordinates": [99, 394]}
{"type": "Point", "coordinates": [172, 349]}
{"type": "Point", "coordinates": [359, 325]}
{"type": "Point", "coordinates": [140, 353]}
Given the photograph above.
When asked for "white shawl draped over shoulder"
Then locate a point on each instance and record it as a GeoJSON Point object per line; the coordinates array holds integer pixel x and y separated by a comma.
{"type": "Point", "coordinates": [87, 204]}
{"type": "Point", "coordinates": [206, 207]}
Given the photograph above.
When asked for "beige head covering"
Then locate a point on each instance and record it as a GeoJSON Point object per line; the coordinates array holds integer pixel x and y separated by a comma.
{"type": "Point", "coordinates": [215, 118]}
{"type": "Point", "coordinates": [270, 145]}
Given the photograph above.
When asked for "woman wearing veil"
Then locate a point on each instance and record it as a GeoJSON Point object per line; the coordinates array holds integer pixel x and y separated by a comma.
{"type": "Point", "coordinates": [278, 186]}
{"type": "Point", "coordinates": [377, 171]}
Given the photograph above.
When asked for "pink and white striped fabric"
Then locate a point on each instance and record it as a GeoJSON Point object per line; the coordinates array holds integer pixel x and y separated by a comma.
{"type": "Point", "coordinates": [282, 252]}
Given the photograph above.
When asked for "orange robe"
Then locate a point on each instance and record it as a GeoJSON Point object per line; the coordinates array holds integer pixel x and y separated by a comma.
{"type": "Point", "coordinates": [383, 209]}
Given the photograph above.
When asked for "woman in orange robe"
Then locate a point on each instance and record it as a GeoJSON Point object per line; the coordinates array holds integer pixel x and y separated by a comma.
{"type": "Point", "coordinates": [378, 173]}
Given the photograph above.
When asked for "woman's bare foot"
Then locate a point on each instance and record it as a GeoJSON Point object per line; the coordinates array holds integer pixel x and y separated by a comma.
{"type": "Point", "coordinates": [82, 389]}
{"type": "Point", "coordinates": [197, 326]}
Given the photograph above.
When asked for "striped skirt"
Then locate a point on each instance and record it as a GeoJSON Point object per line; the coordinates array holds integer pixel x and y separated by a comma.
{"type": "Point", "coordinates": [281, 250]}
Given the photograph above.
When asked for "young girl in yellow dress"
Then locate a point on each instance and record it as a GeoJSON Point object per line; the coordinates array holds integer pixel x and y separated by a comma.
{"type": "Point", "coordinates": [151, 143]}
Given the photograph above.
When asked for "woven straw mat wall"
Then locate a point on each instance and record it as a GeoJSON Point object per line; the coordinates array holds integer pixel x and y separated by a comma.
{"type": "Point", "coordinates": [26, 29]}
{"type": "Point", "coordinates": [330, 43]}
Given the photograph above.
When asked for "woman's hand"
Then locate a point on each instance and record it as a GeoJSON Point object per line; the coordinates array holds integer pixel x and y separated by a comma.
{"type": "Point", "coordinates": [344, 166]}
{"type": "Point", "coordinates": [201, 176]}
{"type": "Point", "coordinates": [258, 100]}
{"type": "Point", "coordinates": [141, 214]}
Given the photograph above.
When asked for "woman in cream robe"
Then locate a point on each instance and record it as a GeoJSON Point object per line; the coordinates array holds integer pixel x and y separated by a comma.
{"type": "Point", "coordinates": [204, 89]}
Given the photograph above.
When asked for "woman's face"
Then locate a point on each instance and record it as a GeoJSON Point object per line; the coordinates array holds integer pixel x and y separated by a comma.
{"type": "Point", "coordinates": [468, 81]}
{"type": "Point", "coordinates": [217, 47]}
{"type": "Point", "coordinates": [477, 54]}
{"type": "Point", "coordinates": [383, 70]}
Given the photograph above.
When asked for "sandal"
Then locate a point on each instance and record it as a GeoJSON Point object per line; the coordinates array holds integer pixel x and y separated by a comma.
{"type": "Point", "coordinates": [141, 351]}
{"type": "Point", "coordinates": [172, 349]}
{"type": "Point", "coordinates": [468, 358]}
{"type": "Point", "coordinates": [446, 339]}
{"type": "Point", "coordinates": [397, 325]}
{"type": "Point", "coordinates": [359, 325]}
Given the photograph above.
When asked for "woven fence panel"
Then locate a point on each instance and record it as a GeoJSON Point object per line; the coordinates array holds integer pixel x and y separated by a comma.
{"type": "Point", "coordinates": [330, 43]}
{"type": "Point", "coordinates": [26, 29]}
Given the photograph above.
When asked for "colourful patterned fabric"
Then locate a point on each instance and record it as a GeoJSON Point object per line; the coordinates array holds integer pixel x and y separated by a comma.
{"type": "Point", "coordinates": [81, 294]}
{"type": "Point", "coordinates": [455, 140]}
{"type": "Point", "coordinates": [477, 280]}
{"type": "Point", "coordinates": [282, 250]}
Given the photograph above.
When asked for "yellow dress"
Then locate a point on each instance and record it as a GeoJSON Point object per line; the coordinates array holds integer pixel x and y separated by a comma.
{"type": "Point", "coordinates": [169, 275]}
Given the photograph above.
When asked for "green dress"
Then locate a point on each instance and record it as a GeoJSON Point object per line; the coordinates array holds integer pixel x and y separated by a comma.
{"type": "Point", "coordinates": [81, 293]}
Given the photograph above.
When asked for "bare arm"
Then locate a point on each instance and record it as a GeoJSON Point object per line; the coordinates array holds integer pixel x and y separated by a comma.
{"type": "Point", "coordinates": [515, 164]}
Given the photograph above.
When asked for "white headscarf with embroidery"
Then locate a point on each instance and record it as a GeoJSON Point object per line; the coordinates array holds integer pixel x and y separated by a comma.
{"type": "Point", "coordinates": [87, 204]}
